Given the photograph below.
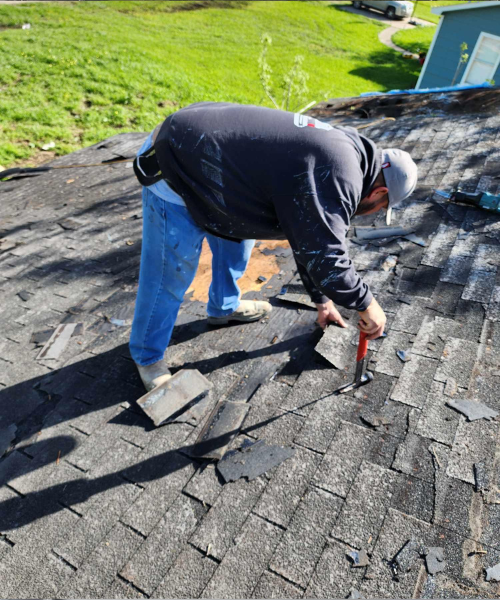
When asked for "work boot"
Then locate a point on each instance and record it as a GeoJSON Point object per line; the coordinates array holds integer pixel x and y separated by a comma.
{"type": "Point", "coordinates": [247, 311]}
{"type": "Point", "coordinates": [154, 375]}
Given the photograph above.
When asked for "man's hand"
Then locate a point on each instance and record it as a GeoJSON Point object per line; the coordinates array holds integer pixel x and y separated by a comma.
{"type": "Point", "coordinates": [327, 313]}
{"type": "Point", "coordinates": [372, 320]}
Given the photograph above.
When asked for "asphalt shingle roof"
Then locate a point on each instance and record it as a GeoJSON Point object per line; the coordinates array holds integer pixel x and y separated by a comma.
{"type": "Point", "coordinates": [96, 502]}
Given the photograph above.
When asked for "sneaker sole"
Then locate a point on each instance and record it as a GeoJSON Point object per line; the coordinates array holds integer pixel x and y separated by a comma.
{"type": "Point", "coordinates": [226, 320]}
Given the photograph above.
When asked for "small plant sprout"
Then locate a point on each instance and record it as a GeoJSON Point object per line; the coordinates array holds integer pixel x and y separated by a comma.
{"type": "Point", "coordinates": [464, 57]}
{"type": "Point", "coordinates": [293, 86]}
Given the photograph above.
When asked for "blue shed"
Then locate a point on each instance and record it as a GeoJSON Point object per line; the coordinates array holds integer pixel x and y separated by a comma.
{"type": "Point", "coordinates": [478, 25]}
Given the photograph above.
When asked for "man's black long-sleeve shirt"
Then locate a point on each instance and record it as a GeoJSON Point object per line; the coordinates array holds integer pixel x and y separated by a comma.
{"type": "Point", "coordinates": [249, 172]}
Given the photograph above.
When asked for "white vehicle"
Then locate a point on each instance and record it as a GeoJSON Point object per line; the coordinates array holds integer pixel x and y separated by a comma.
{"type": "Point", "coordinates": [393, 9]}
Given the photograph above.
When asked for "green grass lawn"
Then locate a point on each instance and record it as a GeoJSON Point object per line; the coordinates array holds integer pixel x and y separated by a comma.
{"type": "Point", "coordinates": [423, 10]}
{"type": "Point", "coordinates": [415, 40]}
{"type": "Point", "coordinates": [87, 70]}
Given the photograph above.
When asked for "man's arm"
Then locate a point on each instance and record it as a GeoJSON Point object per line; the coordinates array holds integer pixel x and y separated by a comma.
{"type": "Point", "coordinates": [316, 230]}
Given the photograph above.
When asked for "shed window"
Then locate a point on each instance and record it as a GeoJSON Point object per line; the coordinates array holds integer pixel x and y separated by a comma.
{"type": "Point", "coordinates": [484, 60]}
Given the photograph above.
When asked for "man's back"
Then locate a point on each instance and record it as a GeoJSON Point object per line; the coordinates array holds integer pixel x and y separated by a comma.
{"type": "Point", "coordinates": [236, 166]}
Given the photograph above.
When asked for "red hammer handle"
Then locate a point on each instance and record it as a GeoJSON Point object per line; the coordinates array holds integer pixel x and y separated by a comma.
{"type": "Point", "coordinates": [362, 346]}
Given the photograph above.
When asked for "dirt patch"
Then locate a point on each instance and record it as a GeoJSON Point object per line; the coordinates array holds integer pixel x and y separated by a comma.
{"type": "Point", "coordinates": [261, 264]}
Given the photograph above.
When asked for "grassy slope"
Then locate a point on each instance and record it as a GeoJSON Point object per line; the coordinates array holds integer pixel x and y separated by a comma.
{"type": "Point", "coordinates": [86, 70]}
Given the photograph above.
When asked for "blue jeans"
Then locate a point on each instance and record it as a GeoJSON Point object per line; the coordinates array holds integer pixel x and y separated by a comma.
{"type": "Point", "coordinates": [171, 247]}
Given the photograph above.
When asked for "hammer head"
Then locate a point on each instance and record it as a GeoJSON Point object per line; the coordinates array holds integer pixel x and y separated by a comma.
{"type": "Point", "coordinates": [366, 378]}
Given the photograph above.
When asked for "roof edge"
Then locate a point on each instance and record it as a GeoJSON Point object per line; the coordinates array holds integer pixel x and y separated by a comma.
{"type": "Point", "coordinates": [439, 10]}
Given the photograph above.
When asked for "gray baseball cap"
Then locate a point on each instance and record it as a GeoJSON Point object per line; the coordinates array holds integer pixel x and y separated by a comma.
{"type": "Point", "coordinates": [400, 174]}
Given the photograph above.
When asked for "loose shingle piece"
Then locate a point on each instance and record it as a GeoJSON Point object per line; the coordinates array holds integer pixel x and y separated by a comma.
{"type": "Point", "coordinates": [473, 410]}
{"type": "Point", "coordinates": [175, 397]}
{"type": "Point", "coordinates": [359, 558]}
{"type": "Point", "coordinates": [335, 346]}
{"type": "Point", "coordinates": [297, 294]}
{"type": "Point", "coordinates": [404, 355]}
{"type": "Point", "coordinates": [493, 573]}
{"type": "Point", "coordinates": [252, 460]}
{"type": "Point", "coordinates": [434, 560]}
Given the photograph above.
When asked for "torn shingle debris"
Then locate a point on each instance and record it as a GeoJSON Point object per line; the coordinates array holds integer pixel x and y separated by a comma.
{"type": "Point", "coordinates": [389, 263]}
{"type": "Point", "coordinates": [24, 295]}
{"type": "Point", "coordinates": [175, 396]}
{"type": "Point", "coordinates": [493, 573]}
{"type": "Point", "coordinates": [220, 429]}
{"type": "Point", "coordinates": [473, 410]}
{"type": "Point", "coordinates": [70, 224]}
{"type": "Point", "coordinates": [376, 421]}
{"type": "Point", "coordinates": [404, 355]}
{"type": "Point", "coordinates": [480, 476]}
{"type": "Point", "coordinates": [251, 460]}
{"type": "Point", "coordinates": [359, 558]}
{"type": "Point", "coordinates": [7, 435]}
{"type": "Point", "coordinates": [434, 560]}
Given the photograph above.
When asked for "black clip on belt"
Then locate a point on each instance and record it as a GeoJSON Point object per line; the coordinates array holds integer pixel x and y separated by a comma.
{"type": "Point", "coordinates": [146, 168]}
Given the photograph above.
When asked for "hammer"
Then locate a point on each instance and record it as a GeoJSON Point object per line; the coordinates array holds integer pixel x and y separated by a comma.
{"type": "Point", "coordinates": [360, 378]}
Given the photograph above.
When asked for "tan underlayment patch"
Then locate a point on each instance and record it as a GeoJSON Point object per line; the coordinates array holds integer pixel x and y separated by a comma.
{"type": "Point", "coordinates": [260, 264]}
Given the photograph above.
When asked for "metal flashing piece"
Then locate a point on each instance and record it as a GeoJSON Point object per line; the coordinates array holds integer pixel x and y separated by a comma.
{"type": "Point", "coordinates": [251, 460]}
{"type": "Point", "coordinates": [175, 396]}
{"type": "Point", "coordinates": [220, 429]}
{"type": "Point", "coordinates": [411, 237]}
{"type": "Point", "coordinates": [473, 410]}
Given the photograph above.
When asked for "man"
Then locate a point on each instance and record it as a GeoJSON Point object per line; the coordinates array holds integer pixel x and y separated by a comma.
{"type": "Point", "coordinates": [234, 174]}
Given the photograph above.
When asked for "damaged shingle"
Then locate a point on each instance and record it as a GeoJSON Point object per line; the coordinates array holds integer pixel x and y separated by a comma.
{"type": "Point", "coordinates": [57, 342]}
{"type": "Point", "coordinates": [480, 476]}
{"type": "Point", "coordinates": [7, 435]}
{"type": "Point", "coordinates": [405, 559]}
{"type": "Point", "coordinates": [252, 460]}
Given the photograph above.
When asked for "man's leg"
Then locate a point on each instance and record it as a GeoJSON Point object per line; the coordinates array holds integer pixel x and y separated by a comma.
{"type": "Point", "coordinates": [171, 246]}
{"type": "Point", "coordinates": [229, 262]}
